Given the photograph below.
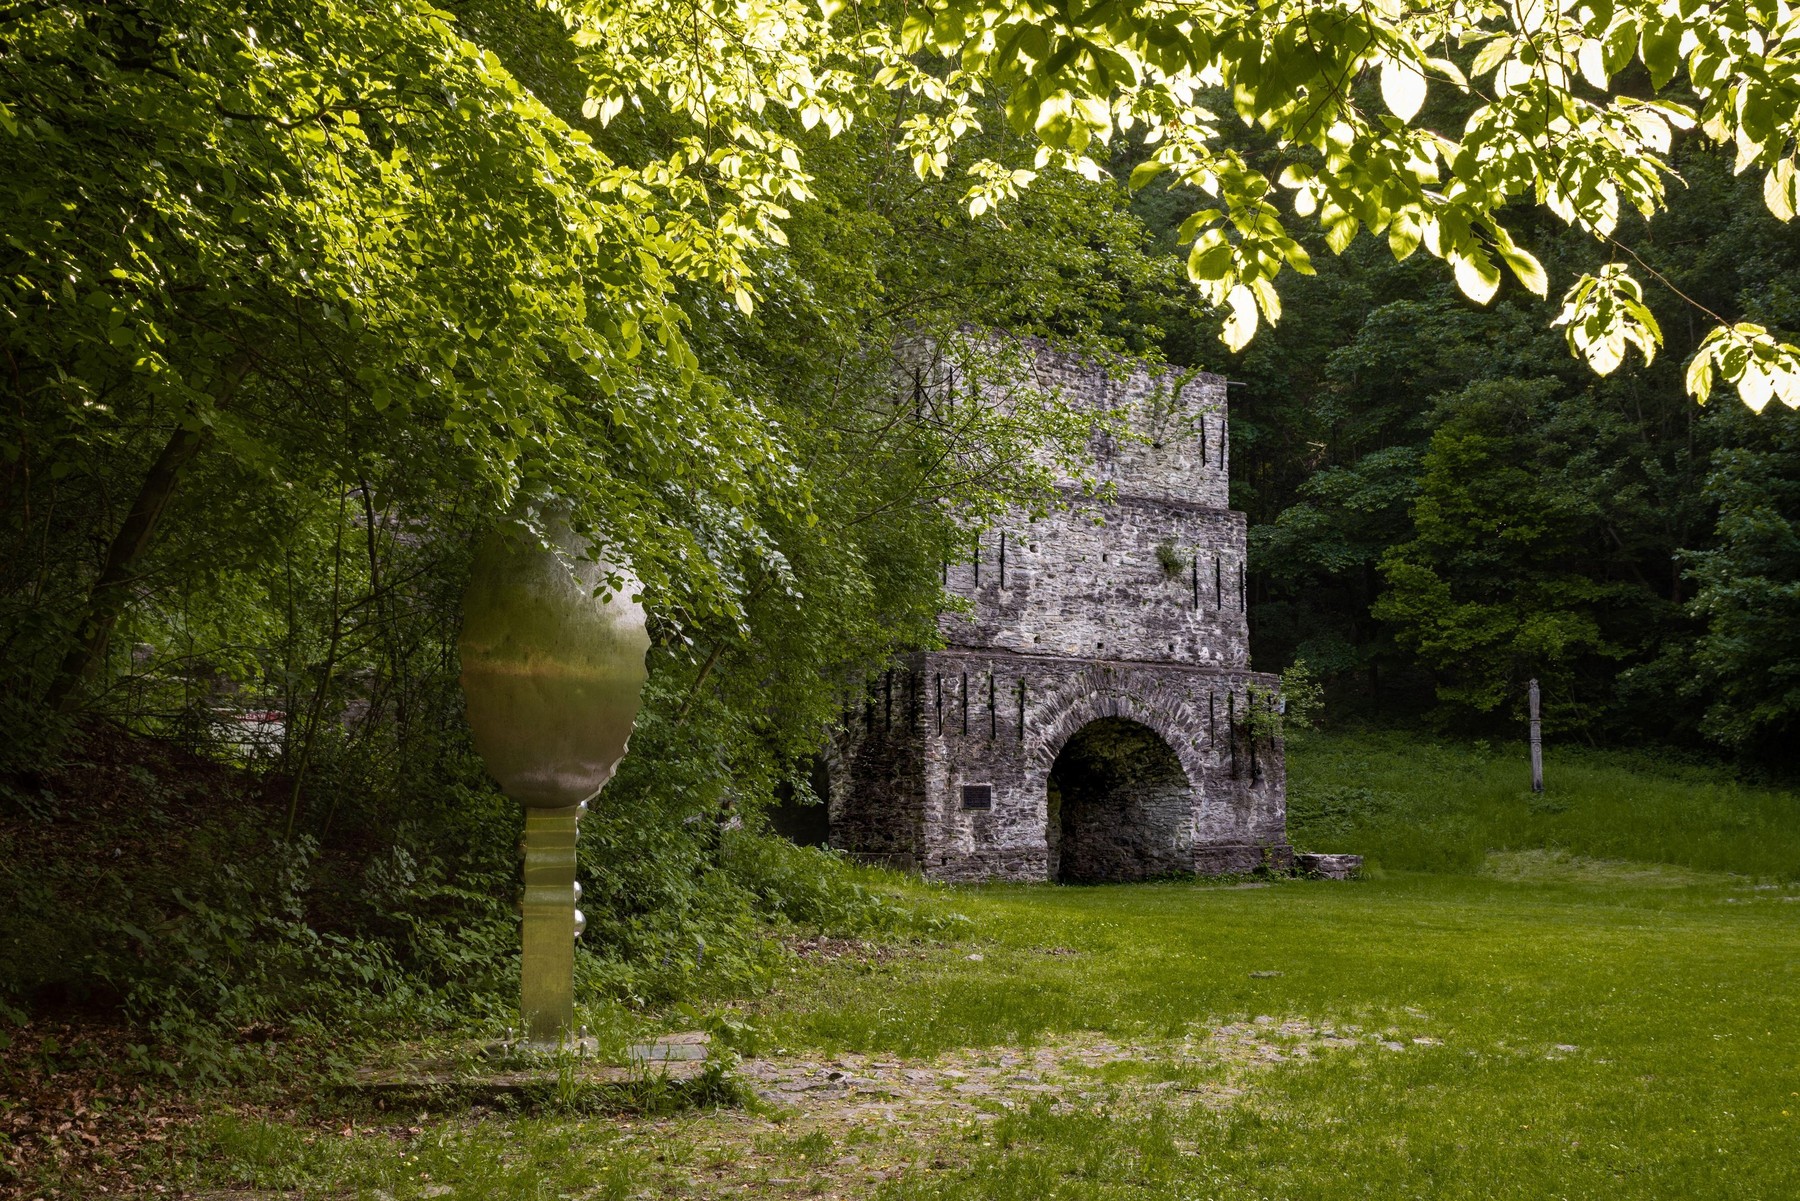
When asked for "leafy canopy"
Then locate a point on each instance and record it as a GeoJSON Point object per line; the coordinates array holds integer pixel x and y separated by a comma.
{"type": "Point", "coordinates": [369, 177]}
{"type": "Point", "coordinates": [327, 235]}
{"type": "Point", "coordinates": [1570, 105]}
{"type": "Point", "coordinates": [335, 234]}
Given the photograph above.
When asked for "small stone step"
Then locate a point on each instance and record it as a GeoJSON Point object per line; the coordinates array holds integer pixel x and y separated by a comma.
{"type": "Point", "coordinates": [1329, 867]}
{"type": "Point", "coordinates": [433, 1084]}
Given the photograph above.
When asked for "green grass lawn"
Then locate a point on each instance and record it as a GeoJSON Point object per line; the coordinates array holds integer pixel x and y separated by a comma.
{"type": "Point", "coordinates": [1682, 1006]}
{"type": "Point", "coordinates": [1573, 1016]}
{"type": "Point", "coordinates": [1411, 802]}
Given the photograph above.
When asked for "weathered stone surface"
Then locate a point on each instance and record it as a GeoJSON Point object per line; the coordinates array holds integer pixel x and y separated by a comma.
{"type": "Point", "coordinates": [1089, 717]}
{"type": "Point", "coordinates": [1331, 867]}
{"type": "Point", "coordinates": [959, 1085]}
{"type": "Point", "coordinates": [1155, 582]}
{"type": "Point", "coordinates": [671, 1048]}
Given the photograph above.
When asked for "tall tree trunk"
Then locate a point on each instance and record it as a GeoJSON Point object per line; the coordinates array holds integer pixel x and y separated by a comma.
{"type": "Point", "coordinates": [106, 600]}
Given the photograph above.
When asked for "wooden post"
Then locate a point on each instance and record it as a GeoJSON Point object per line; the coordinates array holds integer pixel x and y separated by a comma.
{"type": "Point", "coordinates": [1537, 742]}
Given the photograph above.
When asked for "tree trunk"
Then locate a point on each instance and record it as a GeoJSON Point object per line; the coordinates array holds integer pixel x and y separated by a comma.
{"type": "Point", "coordinates": [106, 600]}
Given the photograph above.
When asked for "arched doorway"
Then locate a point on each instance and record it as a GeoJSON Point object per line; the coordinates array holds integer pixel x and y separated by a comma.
{"type": "Point", "coordinates": [1120, 806]}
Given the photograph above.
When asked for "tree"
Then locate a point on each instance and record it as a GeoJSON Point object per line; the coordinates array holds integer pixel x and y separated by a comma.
{"type": "Point", "coordinates": [442, 289]}
{"type": "Point", "coordinates": [1337, 86]}
{"type": "Point", "coordinates": [1345, 397]}
{"type": "Point", "coordinates": [470, 252]}
{"type": "Point", "coordinates": [335, 241]}
{"type": "Point", "coordinates": [1499, 581]}
{"type": "Point", "coordinates": [1748, 658]}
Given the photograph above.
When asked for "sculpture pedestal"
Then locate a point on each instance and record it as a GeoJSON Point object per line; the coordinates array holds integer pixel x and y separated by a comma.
{"type": "Point", "coordinates": [547, 995]}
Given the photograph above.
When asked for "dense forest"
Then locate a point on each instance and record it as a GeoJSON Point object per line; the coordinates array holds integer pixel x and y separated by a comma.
{"type": "Point", "coordinates": [1443, 503]}
{"type": "Point", "coordinates": [274, 373]}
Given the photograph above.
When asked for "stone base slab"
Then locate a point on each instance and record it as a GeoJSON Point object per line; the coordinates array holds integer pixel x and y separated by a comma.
{"type": "Point", "coordinates": [1232, 859]}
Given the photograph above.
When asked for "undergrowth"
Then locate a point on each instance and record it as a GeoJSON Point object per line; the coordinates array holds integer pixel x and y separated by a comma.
{"type": "Point", "coordinates": [154, 885]}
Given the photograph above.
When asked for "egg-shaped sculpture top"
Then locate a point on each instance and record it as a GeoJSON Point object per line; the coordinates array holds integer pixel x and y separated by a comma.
{"type": "Point", "coordinates": [552, 667]}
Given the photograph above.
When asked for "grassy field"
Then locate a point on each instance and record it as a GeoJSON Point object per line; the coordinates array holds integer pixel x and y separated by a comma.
{"type": "Point", "coordinates": [1586, 1039]}
{"type": "Point", "coordinates": [1410, 802]}
{"type": "Point", "coordinates": [1595, 1009]}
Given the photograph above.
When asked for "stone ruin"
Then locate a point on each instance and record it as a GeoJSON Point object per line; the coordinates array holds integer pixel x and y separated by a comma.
{"type": "Point", "coordinates": [1090, 716]}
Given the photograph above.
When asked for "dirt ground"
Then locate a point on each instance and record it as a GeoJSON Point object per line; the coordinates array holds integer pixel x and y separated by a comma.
{"type": "Point", "coordinates": [838, 1127]}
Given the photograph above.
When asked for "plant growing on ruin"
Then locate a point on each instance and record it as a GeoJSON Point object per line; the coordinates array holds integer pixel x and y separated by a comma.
{"type": "Point", "coordinates": [1289, 706]}
{"type": "Point", "coordinates": [1172, 561]}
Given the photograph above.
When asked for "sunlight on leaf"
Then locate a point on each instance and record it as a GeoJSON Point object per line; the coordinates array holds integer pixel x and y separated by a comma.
{"type": "Point", "coordinates": [1747, 355]}
{"type": "Point", "coordinates": [1606, 315]}
{"type": "Point", "coordinates": [1402, 88]}
{"type": "Point", "coordinates": [1240, 326]}
{"type": "Point", "coordinates": [1477, 276]}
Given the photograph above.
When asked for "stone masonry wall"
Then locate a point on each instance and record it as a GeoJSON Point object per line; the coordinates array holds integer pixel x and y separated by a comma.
{"type": "Point", "coordinates": [1181, 451]}
{"type": "Point", "coordinates": [1089, 581]}
{"type": "Point", "coordinates": [968, 717]}
{"type": "Point", "coordinates": [1123, 619]}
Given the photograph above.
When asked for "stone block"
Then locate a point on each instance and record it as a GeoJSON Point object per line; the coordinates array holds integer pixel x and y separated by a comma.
{"type": "Point", "coordinates": [1329, 867]}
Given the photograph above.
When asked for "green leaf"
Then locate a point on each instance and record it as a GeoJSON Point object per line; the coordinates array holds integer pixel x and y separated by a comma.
{"type": "Point", "coordinates": [1402, 88]}
{"type": "Point", "coordinates": [1296, 257]}
{"type": "Point", "coordinates": [1210, 258]}
{"type": "Point", "coordinates": [914, 29]}
{"type": "Point", "coordinates": [1525, 266]}
{"type": "Point", "coordinates": [1619, 44]}
{"type": "Point", "coordinates": [1144, 172]}
{"type": "Point", "coordinates": [1194, 223]}
{"type": "Point", "coordinates": [1779, 189]}
{"type": "Point", "coordinates": [1660, 48]}
{"type": "Point", "coordinates": [1476, 274]}
{"type": "Point", "coordinates": [1591, 59]}
{"type": "Point", "coordinates": [949, 28]}
{"type": "Point", "coordinates": [1055, 120]}
{"type": "Point", "coordinates": [1700, 376]}
{"type": "Point", "coordinates": [1240, 325]}
{"type": "Point", "coordinates": [1022, 105]}
{"type": "Point", "coordinates": [1403, 236]}
{"type": "Point", "coordinates": [1267, 299]}
{"type": "Point", "coordinates": [1492, 55]}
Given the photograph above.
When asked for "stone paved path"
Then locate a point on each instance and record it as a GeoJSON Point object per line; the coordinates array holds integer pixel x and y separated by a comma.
{"type": "Point", "coordinates": [838, 1127]}
{"type": "Point", "coordinates": [1069, 1070]}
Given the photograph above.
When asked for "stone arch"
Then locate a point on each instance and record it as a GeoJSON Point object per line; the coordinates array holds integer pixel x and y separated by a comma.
{"type": "Point", "coordinates": [1118, 806]}
{"type": "Point", "coordinates": [1061, 710]}
{"type": "Point", "coordinates": [1135, 699]}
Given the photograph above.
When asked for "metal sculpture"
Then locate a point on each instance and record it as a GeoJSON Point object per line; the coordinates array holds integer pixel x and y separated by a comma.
{"type": "Point", "coordinates": [552, 669]}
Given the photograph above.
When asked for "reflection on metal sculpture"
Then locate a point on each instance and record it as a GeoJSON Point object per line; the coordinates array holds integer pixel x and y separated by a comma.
{"type": "Point", "coordinates": [552, 673]}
